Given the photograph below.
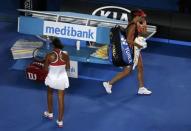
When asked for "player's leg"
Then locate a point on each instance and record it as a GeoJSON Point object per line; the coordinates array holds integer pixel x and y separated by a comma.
{"type": "Point", "coordinates": [49, 113]}
{"type": "Point", "coordinates": [60, 107]}
{"type": "Point", "coordinates": [108, 85]}
{"type": "Point", "coordinates": [140, 76]}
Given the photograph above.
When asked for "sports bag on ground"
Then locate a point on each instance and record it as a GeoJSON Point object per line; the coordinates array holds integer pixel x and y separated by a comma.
{"type": "Point", "coordinates": [35, 71]}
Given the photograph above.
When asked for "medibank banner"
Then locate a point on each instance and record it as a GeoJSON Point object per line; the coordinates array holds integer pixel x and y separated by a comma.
{"type": "Point", "coordinates": [35, 26]}
{"type": "Point", "coordinates": [71, 31]}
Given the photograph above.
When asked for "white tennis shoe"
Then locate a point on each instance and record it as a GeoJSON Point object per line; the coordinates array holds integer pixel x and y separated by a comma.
{"type": "Point", "coordinates": [107, 87]}
{"type": "Point", "coordinates": [48, 115]}
{"type": "Point", "coordinates": [59, 123]}
{"type": "Point", "coordinates": [144, 91]}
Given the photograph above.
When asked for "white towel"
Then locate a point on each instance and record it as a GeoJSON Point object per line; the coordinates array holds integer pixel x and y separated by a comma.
{"type": "Point", "coordinates": [141, 41]}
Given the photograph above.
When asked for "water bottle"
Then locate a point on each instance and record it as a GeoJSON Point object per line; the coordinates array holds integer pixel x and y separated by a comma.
{"type": "Point", "coordinates": [77, 45]}
{"type": "Point", "coordinates": [47, 45]}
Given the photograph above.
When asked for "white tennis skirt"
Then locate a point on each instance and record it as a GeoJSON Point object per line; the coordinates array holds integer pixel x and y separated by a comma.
{"type": "Point", "coordinates": [57, 77]}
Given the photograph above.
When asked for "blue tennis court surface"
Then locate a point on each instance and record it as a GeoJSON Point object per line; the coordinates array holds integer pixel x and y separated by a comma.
{"type": "Point", "coordinates": [88, 107]}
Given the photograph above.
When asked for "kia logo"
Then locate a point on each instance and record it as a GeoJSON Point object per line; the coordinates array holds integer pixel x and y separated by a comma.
{"type": "Point", "coordinates": [114, 12]}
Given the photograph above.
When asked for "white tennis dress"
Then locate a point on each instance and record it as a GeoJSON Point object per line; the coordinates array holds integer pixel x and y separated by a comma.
{"type": "Point", "coordinates": [142, 42]}
{"type": "Point", "coordinates": [57, 77]}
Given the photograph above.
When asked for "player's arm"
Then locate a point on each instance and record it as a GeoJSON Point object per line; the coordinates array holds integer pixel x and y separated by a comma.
{"type": "Point", "coordinates": [47, 61]}
{"type": "Point", "coordinates": [67, 62]}
{"type": "Point", "coordinates": [67, 59]}
{"type": "Point", "coordinates": [130, 36]}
